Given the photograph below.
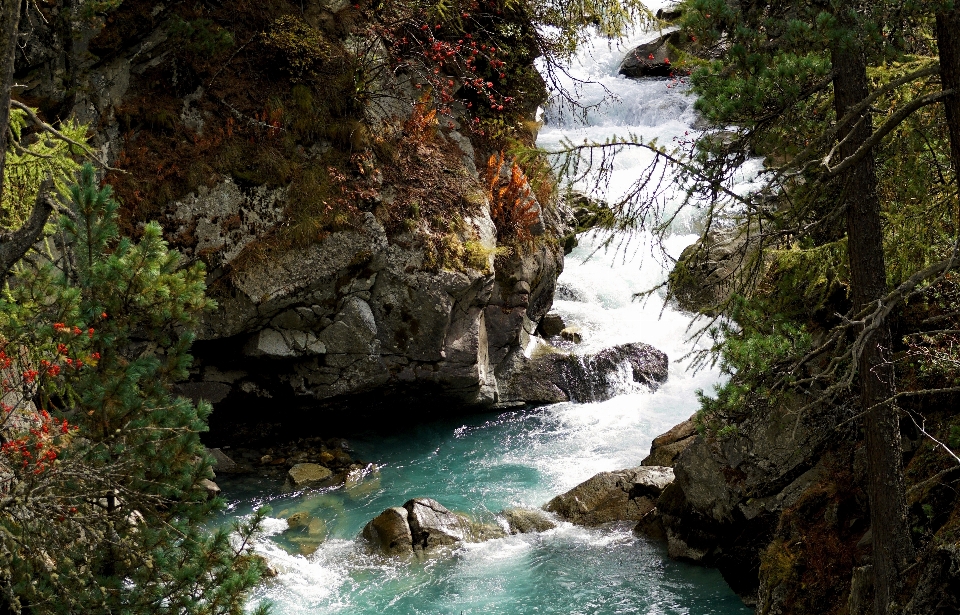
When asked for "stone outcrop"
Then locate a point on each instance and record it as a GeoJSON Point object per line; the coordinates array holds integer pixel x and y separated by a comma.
{"type": "Point", "coordinates": [729, 493]}
{"type": "Point", "coordinates": [555, 377]}
{"type": "Point", "coordinates": [624, 495]}
{"type": "Point", "coordinates": [707, 271]}
{"type": "Point", "coordinates": [666, 447]}
{"type": "Point", "coordinates": [423, 525]}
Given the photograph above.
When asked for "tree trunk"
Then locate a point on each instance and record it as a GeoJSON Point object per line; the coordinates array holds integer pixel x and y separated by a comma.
{"type": "Point", "coordinates": [9, 22]}
{"type": "Point", "coordinates": [948, 40]}
{"type": "Point", "coordinates": [892, 548]}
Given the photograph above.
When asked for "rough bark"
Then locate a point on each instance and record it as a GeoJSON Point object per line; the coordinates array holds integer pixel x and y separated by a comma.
{"type": "Point", "coordinates": [15, 244]}
{"type": "Point", "coordinates": [892, 547]}
{"type": "Point", "coordinates": [9, 22]}
{"type": "Point", "coordinates": [948, 41]}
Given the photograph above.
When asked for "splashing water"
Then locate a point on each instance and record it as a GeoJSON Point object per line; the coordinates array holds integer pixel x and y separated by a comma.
{"type": "Point", "coordinates": [486, 463]}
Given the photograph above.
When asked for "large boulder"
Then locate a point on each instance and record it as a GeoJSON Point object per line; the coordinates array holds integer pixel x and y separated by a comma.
{"type": "Point", "coordinates": [424, 525]}
{"type": "Point", "coordinates": [554, 377]}
{"type": "Point", "coordinates": [433, 525]}
{"type": "Point", "coordinates": [651, 59]}
{"type": "Point", "coordinates": [389, 532]}
{"type": "Point", "coordinates": [624, 495]}
{"type": "Point", "coordinates": [726, 502]}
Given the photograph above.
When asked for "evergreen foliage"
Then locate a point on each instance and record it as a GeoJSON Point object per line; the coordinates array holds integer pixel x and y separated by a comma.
{"type": "Point", "coordinates": [112, 520]}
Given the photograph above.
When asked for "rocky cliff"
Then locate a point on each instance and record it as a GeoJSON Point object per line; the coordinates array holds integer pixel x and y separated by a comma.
{"type": "Point", "coordinates": [357, 242]}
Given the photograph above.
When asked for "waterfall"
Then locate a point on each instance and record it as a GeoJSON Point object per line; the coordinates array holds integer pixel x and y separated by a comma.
{"type": "Point", "coordinates": [483, 464]}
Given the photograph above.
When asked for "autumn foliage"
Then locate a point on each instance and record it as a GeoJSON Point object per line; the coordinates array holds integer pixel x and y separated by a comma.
{"type": "Point", "coordinates": [513, 207]}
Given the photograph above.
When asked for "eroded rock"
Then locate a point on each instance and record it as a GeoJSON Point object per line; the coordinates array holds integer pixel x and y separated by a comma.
{"type": "Point", "coordinates": [667, 447]}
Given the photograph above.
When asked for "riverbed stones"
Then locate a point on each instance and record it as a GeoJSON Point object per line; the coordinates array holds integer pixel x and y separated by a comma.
{"type": "Point", "coordinates": [308, 474]}
{"type": "Point", "coordinates": [527, 520]}
{"type": "Point", "coordinates": [572, 334]}
{"type": "Point", "coordinates": [624, 495]}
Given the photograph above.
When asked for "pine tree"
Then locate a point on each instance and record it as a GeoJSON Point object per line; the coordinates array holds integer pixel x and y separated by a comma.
{"type": "Point", "coordinates": [103, 506]}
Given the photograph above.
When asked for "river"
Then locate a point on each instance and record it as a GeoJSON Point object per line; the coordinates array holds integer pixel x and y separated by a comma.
{"type": "Point", "coordinates": [486, 463]}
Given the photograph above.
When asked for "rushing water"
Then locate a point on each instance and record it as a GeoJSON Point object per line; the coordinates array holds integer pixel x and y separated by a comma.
{"type": "Point", "coordinates": [487, 463]}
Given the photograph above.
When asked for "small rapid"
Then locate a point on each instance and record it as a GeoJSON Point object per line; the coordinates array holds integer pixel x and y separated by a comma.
{"type": "Point", "coordinates": [483, 464]}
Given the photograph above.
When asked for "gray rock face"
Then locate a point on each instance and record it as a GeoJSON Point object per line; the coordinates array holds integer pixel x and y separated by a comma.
{"type": "Point", "coordinates": [724, 505]}
{"type": "Point", "coordinates": [708, 271]}
{"type": "Point", "coordinates": [559, 377]}
{"type": "Point", "coordinates": [432, 525]}
{"type": "Point", "coordinates": [667, 447]}
{"type": "Point", "coordinates": [625, 495]}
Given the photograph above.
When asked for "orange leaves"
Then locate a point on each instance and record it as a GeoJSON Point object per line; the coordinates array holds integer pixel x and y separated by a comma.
{"type": "Point", "coordinates": [513, 207]}
{"type": "Point", "coordinates": [419, 126]}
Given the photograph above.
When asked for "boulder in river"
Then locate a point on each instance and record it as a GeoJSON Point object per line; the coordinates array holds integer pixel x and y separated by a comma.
{"type": "Point", "coordinates": [424, 524]}
{"type": "Point", "coordinates": [624, 495]}
{"type": "Point", "coordinates": [651, 59]}
{"type": "Point", "coordinates": [527, 520]}
{"type": "Point", "coordinates": [559, 377]}
{"type": "Point", "coordinates": [389, 532]}
{"type": "Point", "coordinates": [551, 325]}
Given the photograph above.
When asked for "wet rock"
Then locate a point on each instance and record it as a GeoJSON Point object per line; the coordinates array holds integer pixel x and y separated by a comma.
{"type": "Point", "coordinates": [651, 59]}
{"type": "Point", "coordinates": [670, 12]}
{"type": "Point", "coordinates": [667, 447]}
{"type": "Point", "coordinates": [526, 520]}
{"type": "Point", "coordinates": [560, 377]}
{"type": "Point", "coordinates": [572, 334]}
{"type": "Point", "coordinates": [588, 212]}
{"type": "Point", "coordinates": [306, 532]}
{"type": "Point", "coordinates": [389, 533]}
{"type": "Point", "coordinates": [307, 474]}
{"type": "Point", "coordinates": [298, 519]}
{"type": "Point", "coordinates": [651, 526]}
{"type": "Point", "coordinates": [625, 495]}
{"type": "Point", "coordinates": [432, 525]}
{"type": "Point", "coordinates": [568, 293]}
{"type": "Point", "coordinates": [551, 325]}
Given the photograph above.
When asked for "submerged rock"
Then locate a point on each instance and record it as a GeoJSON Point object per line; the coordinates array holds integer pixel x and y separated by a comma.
{"type": "Point", "coordinates": [527, 520]}
{"type": "Point", "coordinates": [624, 495]}
{"type": "Point", "coordinates": [560, 377]}
{"type": "Point", "coordinates": [307, 474]}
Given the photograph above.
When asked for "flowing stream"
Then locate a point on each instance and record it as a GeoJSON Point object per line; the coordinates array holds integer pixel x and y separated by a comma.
{"type": "Point", "coordinates": [486, 463]}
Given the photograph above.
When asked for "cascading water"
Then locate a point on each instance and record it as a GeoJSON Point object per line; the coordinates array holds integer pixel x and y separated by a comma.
{"type": "Point", "coordinates": [524, 458]}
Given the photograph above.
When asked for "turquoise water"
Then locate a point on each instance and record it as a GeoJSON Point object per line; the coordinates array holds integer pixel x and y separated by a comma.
{"type": "Point", "coordinates": [483, 465]}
